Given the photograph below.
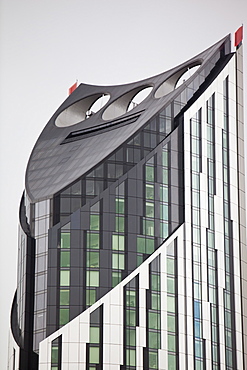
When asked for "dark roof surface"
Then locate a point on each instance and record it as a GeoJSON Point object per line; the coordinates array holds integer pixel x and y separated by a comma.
{"type": "Point", "coordinates": [53, 166]}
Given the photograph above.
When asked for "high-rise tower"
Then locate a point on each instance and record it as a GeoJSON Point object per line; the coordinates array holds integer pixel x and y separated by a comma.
{"type": "Point", "coordinates": [132, 227]}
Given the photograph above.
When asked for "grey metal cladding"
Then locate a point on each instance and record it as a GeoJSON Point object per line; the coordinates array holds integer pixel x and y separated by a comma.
{"type": "Point", "coordinates": [52, 166]}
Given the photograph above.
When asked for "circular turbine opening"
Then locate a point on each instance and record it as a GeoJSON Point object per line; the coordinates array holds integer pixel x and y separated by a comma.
{"type": "Point", "coordinates": [126, 102]}
{"type": "Point", "coordinates": [186, 75]}
{"type": "Point", "coordinates": [81, 110]}
{"type": "Point", "coordinates": [176, 80]}
{"type": "Point", "coordinates": [139, 97]}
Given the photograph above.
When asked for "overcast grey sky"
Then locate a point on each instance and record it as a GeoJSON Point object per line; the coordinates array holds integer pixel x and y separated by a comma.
{"type": "Point", "coordinates": [45, 45]}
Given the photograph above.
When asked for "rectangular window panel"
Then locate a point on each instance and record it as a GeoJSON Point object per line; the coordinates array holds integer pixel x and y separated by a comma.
{"type": "Point", "coordinates": [131, 298]}
{"type": "Point", "coordinates": [154, 340]}
{"type": "Point", "coordinates": [155, 301]}
{"type": "Point", "coordinates": [149, 246]}
{"type": "Point", "coordinates": [171, 362]}
{"type": "Point", "coordinates": [171, 323]}
{"type": "Point", "coordinates": [90, 297]}
{"type": "Point", "coordinates": [63, 316]}
{"type": "Point", "coordinates": [65, 240]}
{"type": "Point", "coordinates": [130, 318]}
{"type": "Point", "coordinates": [94, 222]}
{"type": "Point", "coordinates": [149, 227]}
{"type": "Point", "coordinates": [92, 259]}
{"type": "Point", "coordinates": [94, 334]}
{"type": "Point", "coordinates": [130, 337]}
{"type": "Point", "coordinates": [149, 173]}
{"type": "Point", "coordinates": [149, 191]}
{"type": "Point", "coordinates": [171, 343]}
{"type": "Point", "coordinates": [65, 259]}
{"type": "Point", "coordinates": [153, 360]}
{"type": "Point", "coordinates": [64, 297]}
{"type": "Point", "coordinates": [155, 279]}
{"type": "Point", "coordinates": [149, 209]}
{"type": "Point", "coordinates": [94, 355]}
{"type": "Point", "coordinates": [130, 357]}
{"type": "Point", "coordinates": [154, 321]}
{"type": "Point", "coordinates": [64, 278]}
{"type": "Point", "coordinates": [120, 205]}
{"type": "Point", "coordinates": [170, 304]}
{"type": "Point", "coordinates": [119, 224]}
{"type": "Point", "coordinates": [118, 242]}
{"type": "Point", "coordinates": [116, 278]}
{"type": "Point", "coordinates": [170, 266]}
{"type": "Point", "coordinates": [93, 278]}
{"type": "Point", "coordinates": [93, 240]}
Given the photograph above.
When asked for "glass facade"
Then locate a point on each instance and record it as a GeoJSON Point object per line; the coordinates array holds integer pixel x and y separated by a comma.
{"type": "Point", "coordinates": [95, 345]}
{"type": "Point", "coordinates": [229, 308]}
{"type": "Point", "coordinates": [161, 205]}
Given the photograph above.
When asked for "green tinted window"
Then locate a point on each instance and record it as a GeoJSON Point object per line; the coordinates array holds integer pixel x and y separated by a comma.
{"type": "Point", "coordinates": [154, 340]}
{"type": "Point", "coordinates": [120, 224]}
{"type": "Point", "coordinates": [65, 240]}
{"type": "Point", "coordinates": [94, 222]}
{"type": "Point", "coordinates": [90, 297]}
{"type": "Point", "coordinates": [94, 335]}
{"type": "Point", "coordinates": [63, 316]}
{"type": "Point", "coordinates": [153, 320]}
{"type": "Point", "coordinates": [115, 260]}
{"type": "Point", "coordinates": [171, 343]}
{"type": "Point", "coordinates": [149, 209]}
{"type": "Point", "coordinates": [130, 357]}
{"type": "Point", "coordinates": [164, 194]}
{"type": "Point", "coordinates": [155, 301]}
{"type": "Point", "coordinates": [139, 260]}
{"type": "Point", "coordinates": [54, 355]}
{"type": "Point", "coordinates": [130, 318]}
{"type": "Point", "coordinates": [171, 323]}
{"type": "Point", "coordinates": [64, 297]}
{"type": "Point", "coordinates": [130, 298]}
{"type": "Point", "coordinates": [93, 278]}
{"type": "Point", "coordinates": [149, 191]}
{"type": "Point", "coordinates": [94, 355]}
{"type": "Point", "coordinates": [170, 266]}
{"type": "Point", "coordinates": [119, 205]}
{"type": "Point", "coordinates": [65, 259]}
{"type": "Point", "coordinates": [170, 304]}
{"type": "Point", "coordinates": [165, 176]}
{"type": "Point", "coordinates": [153, 360]}
{"type": "Point", "coordinates": [118, 261]}
{"type": "Point", "coordinates": [116, 278]}
{"type": "Point", "coordinates": [164, 212]}
{"type": "Point", "coordinates": [172, 362]}
{"type": "Point", "coordinates": [118, 242]}
{"type": "Point", "coordinates": [149, 173]}
{"type": "Point", "coordinates": [65, 278]}
{"type": "Point", "coordinates": [92, 259]}
{"type": "Point", "coordinates": [149, 246]}
{"type": "Point", "coordinates": [93, 240]}
{"type": "Point", "coordinates": [165, 158]}
{"type": "Point", "coordinates": [170, 285]}
{"type": "Point", "coordinates": [148, 227]}
{"type": "Point", "coordinates": [164, 229]}
{"type": "Point", "coordinates": [130, 337]}
{"type": "Point", "coordinates": [155, 282]}
{"type": "Point", "coordinates": [141, 245]}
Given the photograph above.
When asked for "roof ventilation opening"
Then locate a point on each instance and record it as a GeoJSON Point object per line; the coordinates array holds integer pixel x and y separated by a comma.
{"type": "Point", "coordinates": [81, 110]}
{"type": "Point", "coordinates": [139, 97]}
{"type": "Point", "coordinates": [186, 75]}
{"type": "Point", "coordinates": [97, 105]}
{"type": "Point", "coordinates": [126, 102]}
{"type": "Point", "coordinates": [176, 80]}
